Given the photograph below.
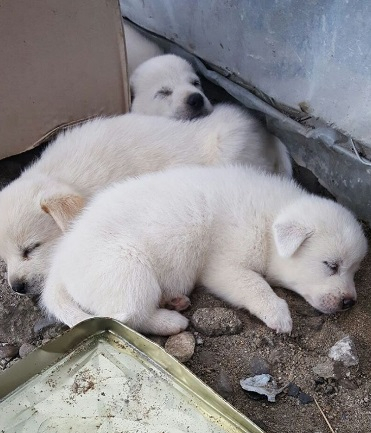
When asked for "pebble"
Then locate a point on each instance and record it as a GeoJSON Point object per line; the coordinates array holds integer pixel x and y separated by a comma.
{"type": "Point", "coordinates": [324, 369]}
{"type": "Point", "coordinates": [293, 390]}
{"type": "Point", "coordinates": [25, 349]}
{"type": "Point", "coordinates": [223, 385]}
{"type": "Point", "coordinates": [259, 365]}
{"type": "Point", "coordinates": [305, 398]}
{"type": "Point", "coordinates": [181, 346]}
{"type": "Point", "coordinates": [344, 351]}
{"type": "Point", "coordinates": [8, 351]}
{"type": "Point", "coordinates": [216, 321]}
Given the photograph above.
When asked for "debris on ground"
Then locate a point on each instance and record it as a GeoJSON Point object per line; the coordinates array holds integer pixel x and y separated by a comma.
{"type": "Point", "coordinates": [344, 351]}
{"type": "Point", "coordinates": [263, 384]}
{"type": "Point", "coordinates": [293, 390]}
{"type": "Point", "coordinates": [324, 369]}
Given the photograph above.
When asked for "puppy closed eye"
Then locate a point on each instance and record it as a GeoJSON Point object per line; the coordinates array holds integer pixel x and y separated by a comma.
{"type": "Point", "coordinates": [333, 266]}
{"type": "Point", "coordinates": [27, 251]}
{"type": "Point", "coordinates": [165, 91]}
{"type": "Point", "coordinates": [196, 83]}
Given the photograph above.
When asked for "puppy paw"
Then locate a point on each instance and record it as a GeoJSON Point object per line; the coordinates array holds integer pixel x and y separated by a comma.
{"type": "Point", "coordinates": [164, 322]}
{"type": "Point", "coordinates": [179, 303]}
{"type": "Point", "coordinates": [280, 318]}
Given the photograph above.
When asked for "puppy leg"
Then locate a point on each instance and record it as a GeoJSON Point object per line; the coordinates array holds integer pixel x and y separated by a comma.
{"type": "Point", "coordinates": [163, 322]}
{"type": "Point", "coordinates": [247, 289]}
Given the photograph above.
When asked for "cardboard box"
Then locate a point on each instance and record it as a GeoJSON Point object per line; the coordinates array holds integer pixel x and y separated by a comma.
{"type": "Point", "coordinates": [61, 62]}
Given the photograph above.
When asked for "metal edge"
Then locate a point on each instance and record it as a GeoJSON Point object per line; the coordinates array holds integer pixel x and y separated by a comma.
{"type": "Point", "coordinates": [45, 356]}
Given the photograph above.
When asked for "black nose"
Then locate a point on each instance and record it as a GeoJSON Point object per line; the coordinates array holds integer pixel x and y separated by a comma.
{"type": "Point", "coordinates": [348, 303]}
{"type": "Point", "coordinates": [195, 100]}
{"type": "Point", "coordinates": [19, 286]}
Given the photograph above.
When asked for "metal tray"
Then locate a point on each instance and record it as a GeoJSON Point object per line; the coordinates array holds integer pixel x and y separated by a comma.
{"type": "Point", "coordinates": [101, 376]}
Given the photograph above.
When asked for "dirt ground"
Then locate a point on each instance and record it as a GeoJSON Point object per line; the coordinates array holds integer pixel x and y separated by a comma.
{"type": "Point", "coordinates": [223, 361]}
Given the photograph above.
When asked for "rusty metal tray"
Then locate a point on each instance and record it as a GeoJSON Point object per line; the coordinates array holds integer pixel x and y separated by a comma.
{"type": "Point", "coordinates": [101, 376]}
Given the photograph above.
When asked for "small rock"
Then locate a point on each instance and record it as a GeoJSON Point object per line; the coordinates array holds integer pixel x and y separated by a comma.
{"type": "Point", "coordinates": [259, 365]}
{"type": "Point", "coordinates": [181, 346]}
{"type": "Point", "coordinates": [8, 351]}
{"type": "Point", "coordinates": [199, 340]}
{"type": "Point", "coordinates": [216, 321]}
{"type": "Point", "coordinates": [223, 385]}
{"type": "Point", "coordinates": [293, 390]}
{"type": "Point", "coordinates": [305, 398]}
{"type": "Point", "coordinates": [347, 384]}
{"type": "Point", "coordinates": [25, 349]}
{"type": "Point", "coordinates": [344, 351]}
{"type": "Point", "coordinates": [324, 369]}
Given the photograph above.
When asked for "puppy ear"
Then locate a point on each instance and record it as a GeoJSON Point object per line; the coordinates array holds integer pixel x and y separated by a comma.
{"type": "Point", "coordinates": [62, 203]}
{"type": "Point", "coordinates": [288, 236]}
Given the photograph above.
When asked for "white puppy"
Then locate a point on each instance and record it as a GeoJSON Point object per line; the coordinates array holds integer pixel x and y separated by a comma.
{"type": "Point", "coordinates": [138, 47]}
{"type": "Point", "coordinates": [168, 86]}
{"type": "Point", "coordinates": [231, 229]}
{"type": "Point", "coordinates": [36, 207]}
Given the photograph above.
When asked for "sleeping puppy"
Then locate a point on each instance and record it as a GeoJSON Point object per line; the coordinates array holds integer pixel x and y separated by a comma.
{"type": "Point", "coordinates": [233, 230]}
{"type": "Point", "coordinates": [37, 207]}
{"type": "Point", "coordinates": [168, 86]}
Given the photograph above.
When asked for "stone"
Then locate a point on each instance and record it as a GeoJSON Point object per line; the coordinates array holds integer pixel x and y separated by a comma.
{"type": "Point", "coordinates": [216, 321]}
{"type": "Point", "coordinates": [305, 398]}
{"type": "Point", "coordinates": [8, 351]}
{"type": "Point", "coordinates": [223, 385]}
{"type": "Point", "coordinates": [324, 369]}
{"type": "Point", "coordinates": [344, 351]}
{"type": "Point", "coordinates": [293, 390]}
{"type": "Point", "coordinates": [259, 365]}
{"type": "Point", "coordinates": [181, 346]}
{"type": "Point", "coordinates": [25, 349]}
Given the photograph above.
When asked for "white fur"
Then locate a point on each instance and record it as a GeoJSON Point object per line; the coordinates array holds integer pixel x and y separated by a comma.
{"type": "Point", "coordinates": [231, 229]}
{"type": "Point", "coordinates": [86, 158]}
{"type": "Point", "coordinates": [176, 75]}
{"type": "Point", "coordinates": [138, 47]}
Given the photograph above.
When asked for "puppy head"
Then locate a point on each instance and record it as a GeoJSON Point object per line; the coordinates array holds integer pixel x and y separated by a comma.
{"type": "Point", "coordinates": [168, 86]}
{"type": "Point", "coordinates": [33, 214]}
{"type": "Point", "coordinates": [318, 247]}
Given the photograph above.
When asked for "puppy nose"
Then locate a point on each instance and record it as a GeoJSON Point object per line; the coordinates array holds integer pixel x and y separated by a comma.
{"type": "Point", "coordinates": [19, 286]}
{"type": "Point", "coordinates": [347, 303]}
{"type": "Point", "coordinates": [195, 100]}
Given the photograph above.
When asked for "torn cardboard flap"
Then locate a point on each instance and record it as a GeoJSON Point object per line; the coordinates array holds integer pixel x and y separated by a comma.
{"type": "Point", "coordinates": [62, 62]}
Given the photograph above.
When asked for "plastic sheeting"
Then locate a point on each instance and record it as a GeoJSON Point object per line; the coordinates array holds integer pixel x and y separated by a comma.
{"type": "Point", "coordinates": [304, 65]}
